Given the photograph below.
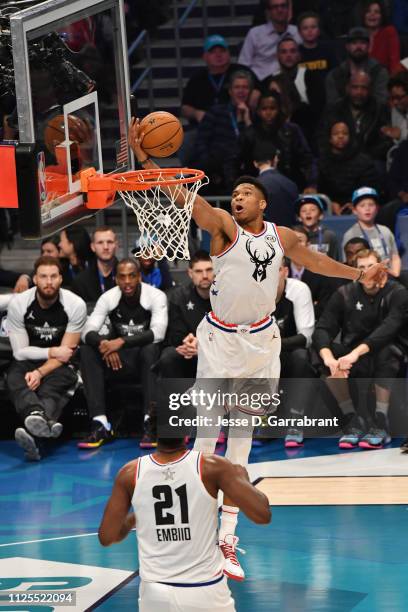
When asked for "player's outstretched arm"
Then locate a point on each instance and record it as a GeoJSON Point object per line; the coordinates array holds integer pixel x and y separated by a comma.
{"type": "Point", "coordinates": [322, 264]}
{"type": "Point", "coordinates": [116, 521]}
{"type": "Point", "coordinates": [233, 480]}
{"type": "Point", "coordinates": [213, 220]}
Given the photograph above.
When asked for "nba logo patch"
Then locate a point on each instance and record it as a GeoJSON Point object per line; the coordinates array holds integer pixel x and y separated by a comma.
{"type": "Point", "coordinates": [270, 240]}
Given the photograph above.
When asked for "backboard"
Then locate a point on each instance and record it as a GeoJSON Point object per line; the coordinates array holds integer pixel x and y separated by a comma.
{"type": "Point", "coordinates": [72, 105]}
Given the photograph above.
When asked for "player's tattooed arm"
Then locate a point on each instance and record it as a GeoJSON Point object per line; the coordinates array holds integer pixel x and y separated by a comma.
{"type": "Point", "coordinates": [117, 521]}
{"type": "Point", "coordinates": [322, 264]}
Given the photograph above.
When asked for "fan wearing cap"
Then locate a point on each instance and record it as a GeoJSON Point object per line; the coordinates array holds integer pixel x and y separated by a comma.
{"type": "Point", "coordinates": [357, 60]}
{"type": "Point", "coordinates": [310, 210]}
{"type": "Point", "coordinates": [381, 239]}
{"type": "Point", "coordinates": [209, 85]}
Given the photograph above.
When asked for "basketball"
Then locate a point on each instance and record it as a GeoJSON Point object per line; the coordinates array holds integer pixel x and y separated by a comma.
{"type": "Point", "coordinates": [163, 134]}
{"type": "Point", "coordinates": [54, 133]}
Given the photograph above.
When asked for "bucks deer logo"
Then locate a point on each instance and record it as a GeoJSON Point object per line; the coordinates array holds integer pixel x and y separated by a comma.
{"type": "Point", "coordinates": [261, 262]}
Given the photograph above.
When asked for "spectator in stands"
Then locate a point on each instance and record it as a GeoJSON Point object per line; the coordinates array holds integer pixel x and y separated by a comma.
{"type": "Point", "coordinates": [365, 206]}
{"type": "Point", "coordinates": [320, 286]}
{"type": "Point", "coordinates": [342, 167]}
{"type": "Point", "coordinates": [156, 273]}
{"type": "Point", "coordinates": [99, 275]}
{"type": "Point", "coordinates": [310, 210]}
{"type": "Point", "coordinates": [384, 40]}
{"type": "Point", "coordinates": [188, 305]}
{"type": "Point", "coordinates": [259, 51]}
{"type": "Point", "coordinates": [293, 108]}
{"type": "Point", "coordinates": [315, 54]}
{"type": "Point", "coordinates": [369, 320]}
{"type": "Point", "coordinates": [352, 248]}
{"type": "Point", "coordinates": [357, 61]}
{"type": "Point", "coordinates": [219, 132]}
{"type": "Point", "coordinates": [295, 317]}
{"type": "Point", "coordinates": [44, 326]}
{"type": "Point", "coordinates": [271, 129]}
{"type": "Point", "coordinates": [75, 249]}
{"type": "Point", "coordinates": [281, 192]}
{"type": "Point", "coordinates": [138, 316]}
{"type": "Point", "coordinates": [364, 116]}
{"type": "Point", "coordinates": [398, 89]}
{"type": "Point", "coordinates": [207, 87]}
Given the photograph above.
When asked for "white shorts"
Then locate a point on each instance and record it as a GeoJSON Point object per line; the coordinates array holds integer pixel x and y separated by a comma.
{"type": "Point", "coordinates": [155, 597]}
{"type": "Point", "coordinates": [247, 363]}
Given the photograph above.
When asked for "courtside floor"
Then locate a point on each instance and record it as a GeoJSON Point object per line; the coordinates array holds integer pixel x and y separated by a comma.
{"type": "Point", "coordinates": [314, 556]}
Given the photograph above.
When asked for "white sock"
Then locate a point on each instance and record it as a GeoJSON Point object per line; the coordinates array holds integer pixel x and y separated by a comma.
{"type": "Point", "coordinates": [382, 407]}
{"type": "Point", "coordinates": [346, 407]}
{"type": "Point", "coordinates": [101, 418]}
{"type": "Point", "coordinates": [229, 520]}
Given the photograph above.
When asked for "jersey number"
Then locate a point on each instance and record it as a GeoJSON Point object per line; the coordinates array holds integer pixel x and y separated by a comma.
{"type": "Point", "coordinates": [165, 494]}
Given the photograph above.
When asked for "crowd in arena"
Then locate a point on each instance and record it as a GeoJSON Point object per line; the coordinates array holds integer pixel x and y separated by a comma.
{"type": "Point", "coordinates": [322, 120]}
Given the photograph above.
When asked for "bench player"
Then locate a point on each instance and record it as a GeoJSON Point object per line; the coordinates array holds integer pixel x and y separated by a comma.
{"type": "Point", "coordinates": [175, 510]}
{"type": "Point", "coordinates": [239, 339]}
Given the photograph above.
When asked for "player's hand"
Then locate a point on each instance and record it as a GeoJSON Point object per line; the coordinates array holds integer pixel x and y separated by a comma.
{"type": "Point", "coordinates": [61, 353]}
{"type": "Point", "coordinates": [185, 351]}
{"type": "Point", "coordinates": [33, 379]}
{"type": "Point", "coordinates": [106, 347]}
{"type": "Point", "coordinates": [135, 137]}
{"type": "Point", "coordinates": [113, 361]}
{"type": "Point", "coordinates": [22, 284]}
{"type": "Point", "coordinates": [377, 274]}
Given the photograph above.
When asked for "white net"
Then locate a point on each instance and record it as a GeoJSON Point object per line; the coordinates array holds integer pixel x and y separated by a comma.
{"type": "Point", "coordinates": [163, 224]}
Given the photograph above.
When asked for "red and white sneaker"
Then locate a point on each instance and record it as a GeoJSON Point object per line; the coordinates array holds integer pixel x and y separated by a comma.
{"type": "Point", "coordinates": [232, 567]}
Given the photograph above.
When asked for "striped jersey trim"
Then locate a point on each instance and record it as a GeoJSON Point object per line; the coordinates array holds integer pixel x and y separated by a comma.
{"type": "Point", "coordinates": [278, 237]}
{"type": "Point", "coordinates": [137, 471]}
{"type": "Point", "coordinates": [231, 246]}
{"type": "Point", "coordinates": [233, 328]}
{"type": "Point", "coordinates": [187, 452]}
{"type": "Point", "coordinates": [261, 233]}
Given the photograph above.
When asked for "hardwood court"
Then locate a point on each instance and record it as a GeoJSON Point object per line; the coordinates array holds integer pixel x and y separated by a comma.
{"type": "Point", "coordinates": [335, 491]}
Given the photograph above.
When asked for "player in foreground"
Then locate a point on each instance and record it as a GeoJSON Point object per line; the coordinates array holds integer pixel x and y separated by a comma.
{"type": "Point", "coordinates": [175, 511]}
{"type": "Point", "coordinates": [240, 339]}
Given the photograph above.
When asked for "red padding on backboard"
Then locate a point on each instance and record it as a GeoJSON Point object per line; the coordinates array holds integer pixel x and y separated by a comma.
{"type": "Point", "coordinates": [8, 177]}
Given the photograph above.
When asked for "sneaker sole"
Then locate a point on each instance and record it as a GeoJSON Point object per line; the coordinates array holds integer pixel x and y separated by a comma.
{"type": "Point", "coordinates": [369, 446]}
{"type": "Point", "coordinates": [27, 443]}
{"type": "Point", "coordinates": [234, 577]}
{"type": "Point", "coordinates": [56, 430]}
{"type": "Point", "coordinates": [348, 445]}
{"type": "Point", "coordinates": [293, 444]}
{"type": "Point", "coordinates": [37, 426]}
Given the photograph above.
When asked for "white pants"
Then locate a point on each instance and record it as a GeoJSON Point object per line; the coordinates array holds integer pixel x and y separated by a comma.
{"type": "Point", "coordinates": [156, 597]}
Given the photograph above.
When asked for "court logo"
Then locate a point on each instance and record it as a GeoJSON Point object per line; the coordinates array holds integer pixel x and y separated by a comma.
{"type": "Point", "coordinates": [86, 584]}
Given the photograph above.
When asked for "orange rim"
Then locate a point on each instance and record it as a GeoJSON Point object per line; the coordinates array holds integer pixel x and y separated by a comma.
{"type": "Point", "coordinates": [100, 188]}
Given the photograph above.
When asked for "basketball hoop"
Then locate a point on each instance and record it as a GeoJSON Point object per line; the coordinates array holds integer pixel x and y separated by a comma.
{"type": "Point", "coordinates": [162, 200]}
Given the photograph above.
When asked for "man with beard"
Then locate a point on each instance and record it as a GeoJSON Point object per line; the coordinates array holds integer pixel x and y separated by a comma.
{"type": "Point", "coordinates": [138, 316]}
{"type": "Point", "coordinates": [44, 325]}
{"type": "Point", "coordinates": [364, 116]}
{"type": "Point", "coordinates": [358, 43]}
{"type": "Point", "coordinates": [99, 276]}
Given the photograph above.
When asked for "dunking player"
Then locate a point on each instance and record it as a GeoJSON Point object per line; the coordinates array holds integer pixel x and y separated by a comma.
{"type": "Point", "coordinates": [174, 497]}
{"type": "Point", "coordinates": [239, 339]}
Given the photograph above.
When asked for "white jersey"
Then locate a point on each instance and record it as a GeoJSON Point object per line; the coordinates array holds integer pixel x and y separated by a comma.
{"type": "Point", "coordinates": [247, 276]}
{"type": "Point", "coordinates": [176, 522]}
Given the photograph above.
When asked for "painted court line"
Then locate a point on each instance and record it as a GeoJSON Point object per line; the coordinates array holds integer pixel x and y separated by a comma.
{"type": "Point", "coordinates": [79, 535]}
